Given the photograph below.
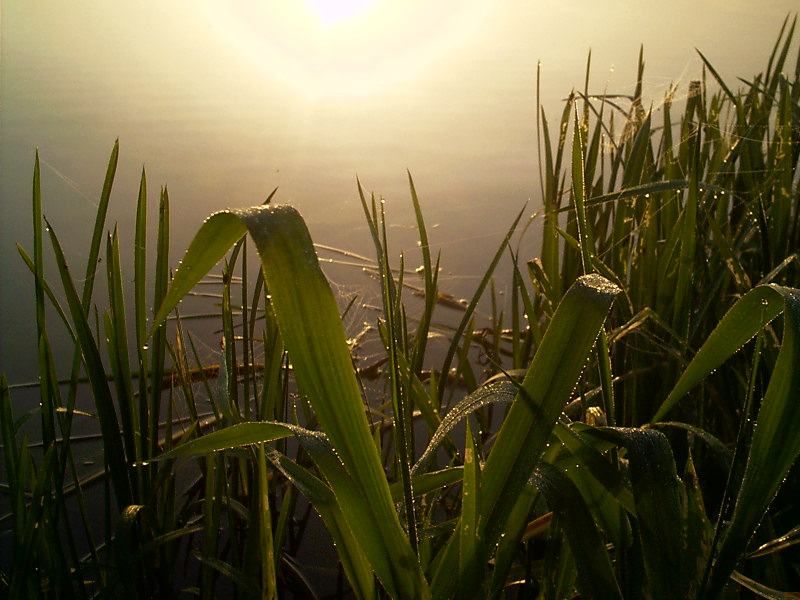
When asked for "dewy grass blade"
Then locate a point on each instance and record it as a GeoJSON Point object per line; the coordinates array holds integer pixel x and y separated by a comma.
{"type": "Point", "coordinates": [775, 444]}
{"type": "Point", "coordinates": [548, 384]}
{"type": "Point", "coordinates": [354, 562]}
{"type": "Point", "coordinates": [312, 331]}
{"type": "Point", "coordinates": [471, 548]}
{"type": "Point", "coordinates": [660, 497]}
{"type": "Point", "coordinates": [218, 233]}
{"type": "Point", "coordinates": [585, 236]}
{"type": "Point", "coordinates": [158, 339]}
{"type": "Point", "coordinates": [140, 265]}
{"type": "Point", "coordinates": [743, 321]}
{"type": "Point", "coordinates": [140, 311]}
{"type": "Point", "coordinates": [528, 426]}
{"type": "Point", "coordinates": [595, 573]}
{"type": "Point", "coordinates": [116, 331]}
{"type": "Point", "coordinates": [241, 434]}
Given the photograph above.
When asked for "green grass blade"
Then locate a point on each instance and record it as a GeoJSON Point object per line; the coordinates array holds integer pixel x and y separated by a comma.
{"type": "Point", "coordinates": [241, 434]}
{"type": "Point", "coordinates": [743, 321]}
{"type": "Point", "coordinates": [267, 545]}
{"type": "Point", "coordinates": [116, 332]}
{"type": "Point", "coordinates": [104, 403]}
{"type": "Point", "coordinates": [428, 482]}
{"type": "Point", "coordinates": [141, 314]}
{"type": "Point", "coordinates": [308, 317]}
{"type": "Point", "coordinates": [502, 391]}
{"type": "Point", "coordinates": [585, 237]}
{"type": "Point", "coordinates": [660, 496]}
{"type": "Point", "coordinates": [761, 590]}
{"type": "Point", "coordinates": [548, 385]}
{"type": "Point", "coordinates": [595, 573]}
{"type": "Point", "coordinates": [158, 341]}
{"type": "Point", "coordinates": [11, 452]}
{"type": "Point", "coordinates": [431, 276]}
{"type": "Point", "coordinates": [683, 287]}
{"type": "Point", "coordinates": [471, 557]}
{"type": "Point", "coordinates": [48, 292]}
{"type": "Point", "coordinates": [529, 424]}
{"type": "Point", "coordinates": [584, 453]}
{"type": "Point", "coordinates": [219, 232]}
{"type": "Point", "coordinates": [775, 444]}
{"type": "Point", "coordinates": [140, 265]}
{"type": "Point", "coordinates": [38, 253]}
{"type": "Point", "coordinates": [354, 562]}
{"type": "Point", "coordinates": [99, 226]}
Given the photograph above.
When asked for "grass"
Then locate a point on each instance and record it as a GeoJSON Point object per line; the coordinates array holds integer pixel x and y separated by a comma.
{"type": "Point", "coordinates": [634, 437]}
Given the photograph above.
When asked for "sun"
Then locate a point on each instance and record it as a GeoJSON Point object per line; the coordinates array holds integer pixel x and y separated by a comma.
{"type": "Point", "coordinates": [331, 12]}
{"type": "Point", "coordinates": [326, 48]}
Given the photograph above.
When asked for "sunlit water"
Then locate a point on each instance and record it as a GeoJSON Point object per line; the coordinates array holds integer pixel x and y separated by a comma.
{"type": "Point", "coordinates": [224, 101]}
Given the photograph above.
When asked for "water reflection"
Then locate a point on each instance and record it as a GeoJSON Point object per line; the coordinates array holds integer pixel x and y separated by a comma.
{"type": "Point", "coordinates": [226, 101]}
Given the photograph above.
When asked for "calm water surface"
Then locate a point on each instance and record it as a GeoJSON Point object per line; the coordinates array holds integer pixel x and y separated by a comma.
{"type": "Point", "coordinates": [224, 101]}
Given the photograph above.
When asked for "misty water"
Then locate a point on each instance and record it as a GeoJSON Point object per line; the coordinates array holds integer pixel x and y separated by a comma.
{"type": "Point", "coordinates": [223, 102]}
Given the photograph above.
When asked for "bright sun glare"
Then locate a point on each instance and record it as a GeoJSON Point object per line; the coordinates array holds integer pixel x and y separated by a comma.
{"type": "Point", "coordinates": [334, 47]}
{"type": "Point", "coordinates": [336, 11]}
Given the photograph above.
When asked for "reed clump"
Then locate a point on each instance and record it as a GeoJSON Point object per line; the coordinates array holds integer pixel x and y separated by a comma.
{"type": "Point", "coordinates": [634, 437]}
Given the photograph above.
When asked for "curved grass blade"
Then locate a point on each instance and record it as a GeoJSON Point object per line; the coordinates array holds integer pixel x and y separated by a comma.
{"type": "Point", "coordinates": [468, 313]}
{"type": "Point", "coordinates": [743, 321]}
{"type": "Point", "coordinates": [428, 482]}
{"type": "Point", "coordinates": [788, 539]}
{"type": "Point", "coordinates": [528, 426]}
{"type": "Point", "coordinates": [354, 561]}
{"type": "Point", "coordinates": [241, 434]}
{"type": "Point", "coordinates": [598, 480]}
{"type": "Point", "coordinates": [547, 385]}
{"type": "Point", "coordinates": [760, 589]}
{"type": "Point", "coordinates": [775, 444]}
{"type": "Point", "coordinates": [501, 391]}
{"type": "Point", "coordinates": [308, 318]}
{"type": "Point", "coordinates": [595, 573]}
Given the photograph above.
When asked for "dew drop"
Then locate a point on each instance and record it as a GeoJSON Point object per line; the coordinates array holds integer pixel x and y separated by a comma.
{"type": "Point", "coordinates": [764, 302]}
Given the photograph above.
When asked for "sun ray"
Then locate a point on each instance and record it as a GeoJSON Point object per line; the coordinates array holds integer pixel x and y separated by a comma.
{"type": "Point", "coordinates": [330, 47]}
{"type": "Point", "coordinates": [332, 12]}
